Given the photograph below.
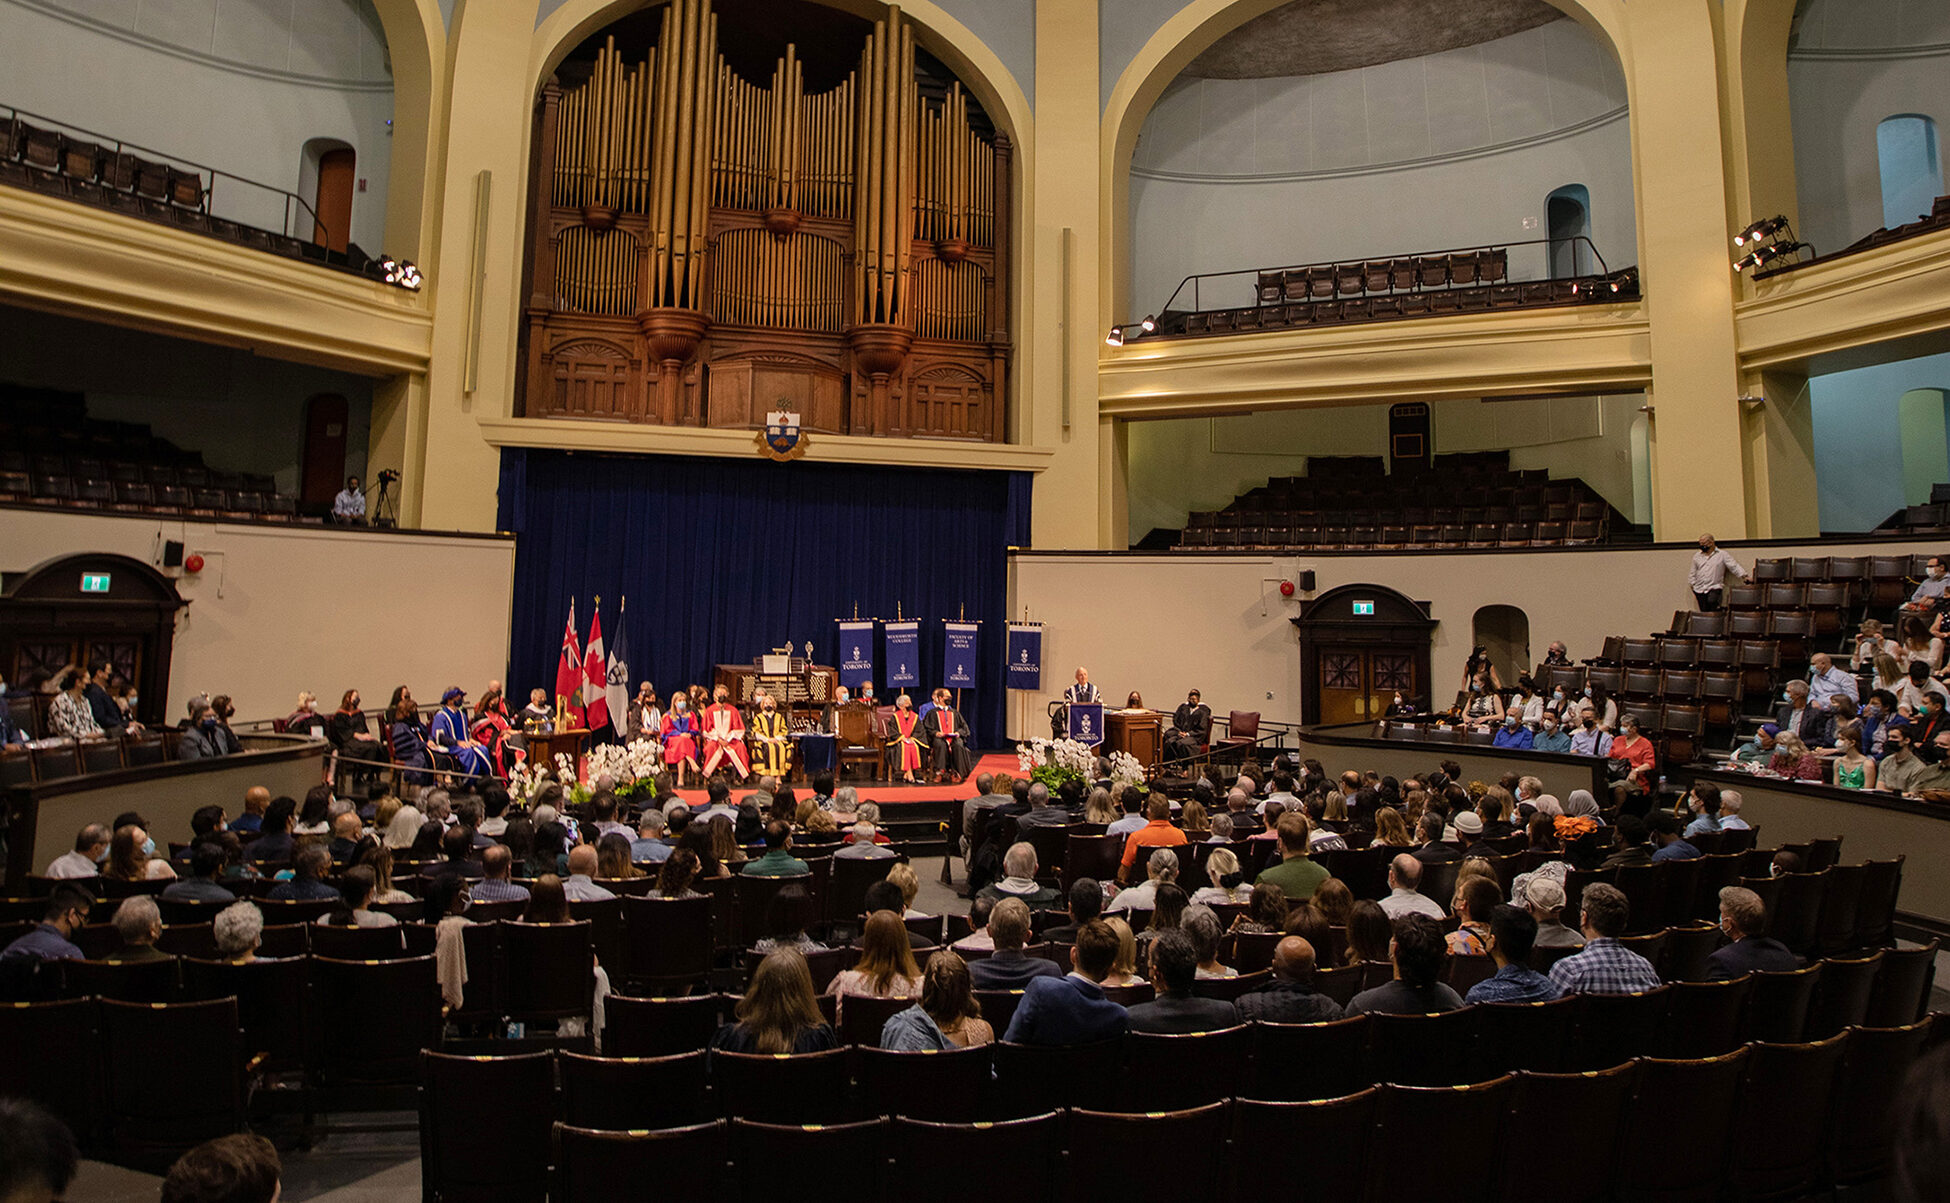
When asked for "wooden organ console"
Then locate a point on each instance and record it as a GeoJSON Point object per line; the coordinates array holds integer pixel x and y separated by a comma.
{"type": "Point", "coordinates": [704, 249]}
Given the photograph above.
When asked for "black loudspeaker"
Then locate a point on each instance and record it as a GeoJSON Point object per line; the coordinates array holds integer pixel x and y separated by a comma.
{"type": "Point", "coordinates": [1307, 581]}
{"type": "Point", "coordinates": [172, 554]}
{"type": "Point", "coordinates": [1408, 437]}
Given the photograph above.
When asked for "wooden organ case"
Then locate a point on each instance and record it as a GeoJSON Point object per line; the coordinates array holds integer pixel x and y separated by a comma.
{"type": "Point", "coordinates": [705, 250]}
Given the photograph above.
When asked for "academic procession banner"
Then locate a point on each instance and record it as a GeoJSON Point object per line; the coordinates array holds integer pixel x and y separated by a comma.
{"type": "Point", "coordinates": [1087, 722]}
{"type": "Point", "coordinates": [903, 655]}
{"type": "Point", "coordinates": [1025, 655]}
{"type": "Point", "coordinates": [958, 653]}
{"type": "Point", "coordinates": [856, 653]}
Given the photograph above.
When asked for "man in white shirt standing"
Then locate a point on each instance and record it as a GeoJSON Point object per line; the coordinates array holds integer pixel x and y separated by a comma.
{"type": "Point", "coordinates": [1709, 574]}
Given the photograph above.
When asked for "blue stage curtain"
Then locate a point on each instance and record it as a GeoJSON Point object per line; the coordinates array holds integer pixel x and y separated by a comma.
{"type": "Point", "coordinates": [722, 560]}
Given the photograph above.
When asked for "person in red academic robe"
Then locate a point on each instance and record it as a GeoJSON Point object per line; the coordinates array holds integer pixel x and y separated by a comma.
{"type": "Point", "coordinates": [491, 729]}
{"type": "Point", "coordinates": [724, 736]}
{"type": "Point", "coordinates": [904, 740]}
{"type": "Point", "coordinates": [679, 736]}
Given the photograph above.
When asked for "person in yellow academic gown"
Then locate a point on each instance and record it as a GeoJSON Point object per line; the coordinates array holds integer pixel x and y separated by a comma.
{"type": "Point", "coordinates": [770, 739]}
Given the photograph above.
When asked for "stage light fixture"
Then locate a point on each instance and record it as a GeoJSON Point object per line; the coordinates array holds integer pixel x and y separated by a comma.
{"type": "Point", "coordinates": [400, 273]}
{"type": "Point", "coordinates": [1150, 322]}
{"type": "Point", "coordinates": [1116, 336]}
{"type": "Point", "coordinates": [1764, 228]}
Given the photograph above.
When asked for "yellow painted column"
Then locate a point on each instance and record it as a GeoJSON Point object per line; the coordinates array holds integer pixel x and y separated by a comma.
{"type": "Point", "coordinates": [1757, 124]}
{"type": "Point", "coordinates": [452, 473]}
{"type": "Point", "coordinates": [1778, 455]}
{"type": "Point", "coordinates": [1687, 271]}
{"type": "Point", "coordinates": [1061, 321]}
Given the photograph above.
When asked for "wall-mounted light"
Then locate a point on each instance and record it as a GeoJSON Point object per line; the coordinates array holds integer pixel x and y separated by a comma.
{"type": "Point", "coordinates": [1116, 337]}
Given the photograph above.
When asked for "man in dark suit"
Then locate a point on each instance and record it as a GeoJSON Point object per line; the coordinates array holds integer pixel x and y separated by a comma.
{"type": "Point", "coordinates": [1815, 726]}
{"type": "Point", "coordinates": [1009, 967]}
{"type": "Point", "coordinates": [1177, 1011]}
{"type": "Point", "coordinates": [1072, 1009]}
{"type": "Point", "coordinates": [1290, 997]}
{"type": "Point", "coordinates": [1743, 917]}
{"type": "Point", "coordinates": [1086, 903]}
{"type": "Point", "coordinates": [1433, 851]}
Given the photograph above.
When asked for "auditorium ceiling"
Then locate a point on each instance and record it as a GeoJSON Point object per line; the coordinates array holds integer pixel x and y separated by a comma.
{"type": "Point", "coordinates": [1314, 37]}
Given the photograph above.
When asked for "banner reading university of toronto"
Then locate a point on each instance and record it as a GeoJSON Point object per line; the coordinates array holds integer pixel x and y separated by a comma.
{"type": "Point", "coordinates": [1087, 722]}
{"type": "Point", "coordinates": [856, 653]}
{"type": "Point", "coordinates": [958, 653]}
{"type": "Point", "coordinates": [1025, 655]}
{"type": "Point", "coordinates": [903, 654]}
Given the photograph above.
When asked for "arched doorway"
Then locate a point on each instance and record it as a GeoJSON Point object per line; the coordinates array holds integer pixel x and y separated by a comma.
{"type": "Point", "coordinates": [1503, 632]}
{"type": "Point", "coordinates": [1359, 646]}
{"type": "Point", "coordinates": [327, 178]}
{"type": "Point", "coordinates": [1567, 215]}
{"type": "Point", "coordinates": [91, 607]}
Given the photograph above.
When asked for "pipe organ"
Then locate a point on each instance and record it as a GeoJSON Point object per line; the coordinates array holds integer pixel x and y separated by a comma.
{"type": "Point", "coordinates": [705, 249]}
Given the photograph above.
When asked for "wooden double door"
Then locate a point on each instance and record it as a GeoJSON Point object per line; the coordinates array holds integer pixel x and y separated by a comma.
{"type": "Point", "coordinates": [1359, 683]}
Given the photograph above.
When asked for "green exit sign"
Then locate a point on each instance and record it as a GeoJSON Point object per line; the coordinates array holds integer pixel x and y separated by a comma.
{"type": "Point", "coordinates": [94, 582]}
{"type": "Point", "coordinates": [1364, 609]}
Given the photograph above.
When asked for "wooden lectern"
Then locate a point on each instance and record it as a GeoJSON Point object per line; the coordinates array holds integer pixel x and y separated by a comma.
{"type": "Point", "coordinates": [1140, 733]}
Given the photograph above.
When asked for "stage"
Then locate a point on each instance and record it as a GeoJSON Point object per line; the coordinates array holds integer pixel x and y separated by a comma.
{"type": "Point", "coordinates": [888, 793]}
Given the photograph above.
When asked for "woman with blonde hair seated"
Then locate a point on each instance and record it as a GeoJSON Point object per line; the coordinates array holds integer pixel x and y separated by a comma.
{"type": "Point", "coordinates": [947, 1015]}
{"type": "Point", "coordinates": [902, 877]}
{"type": "Point", "coordinates": [886, 967]}
{"type": "Point", "coordinates": [1123, 970]}
{"type": "Point", "coordinates": [779, 1013]}
{"type": "Point", "coordinates": [1228, 881]}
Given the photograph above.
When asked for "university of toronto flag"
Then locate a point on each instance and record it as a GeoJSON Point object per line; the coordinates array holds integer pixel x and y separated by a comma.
{"type": "Point", "coordinates": [568, 670]}
{"type": "Point", "coordinates": [618, 694]}
{"type": "Point", "coordinates": [595, 693]}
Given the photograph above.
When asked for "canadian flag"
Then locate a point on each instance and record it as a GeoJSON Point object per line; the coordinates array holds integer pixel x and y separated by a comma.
{"type": "Point", "coordinates": [568, 670]}
{"type": "Point", "coordinates": [595, 702]}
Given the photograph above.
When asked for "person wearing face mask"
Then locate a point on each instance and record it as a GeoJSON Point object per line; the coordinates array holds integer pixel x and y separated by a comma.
{"type": "Point", "coordinates": [204, 739]}
{"type": "Point", "coordinates": [1483, 707]}
{"type": "Point", "coordinates": [1708, 579]}
{"type": "Point", "coordinates": [1513, 733]}
{"type": "Point", "coordinates": [1827, 682]}
{"type": "Point", "coordinates": [1743, 917]}
{"type": "Point", "coordinates": [1758, 750]}
{"type": "Point", "coordinates": [1551, 737]}
{"type": "Point", "coordinates": [1528, 704]}
{"type": "Point", "coordinates": [1402, 707]}
{"type": "Point", "coordinates": [1930, 590]}
{"type": "Point", "coordinates": [771, 739]}
{"type": "Point", "coordinates": [1798, 716]}
{"type": "Point", "coordinates": [679, 733]}
{"type": "Point", "coordinates": [1590, 739]}
{"type": "Point", "coordinates": [1559, 706]}
{"type": "Point", "coordinates": [1901, 769]}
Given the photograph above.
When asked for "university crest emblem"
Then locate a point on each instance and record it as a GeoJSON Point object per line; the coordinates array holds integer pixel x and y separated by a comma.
{"type": "Point", "coordinates": [782, 439]}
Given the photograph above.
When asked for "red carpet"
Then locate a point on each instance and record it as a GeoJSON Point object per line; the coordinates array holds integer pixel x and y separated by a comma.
{"type": "Point", "coordinates": [890, 795]}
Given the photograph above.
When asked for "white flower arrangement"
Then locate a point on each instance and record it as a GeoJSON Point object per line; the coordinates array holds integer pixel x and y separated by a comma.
{"type": "Point", "coordinates": [1067, 756]}
{"type": "Point", "coordinates": [524, 783]}
{"type": "Point", "coordinates": [1125, 770]}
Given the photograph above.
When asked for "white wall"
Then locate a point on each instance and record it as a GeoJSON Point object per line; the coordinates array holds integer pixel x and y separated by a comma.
{"type": "Point", "coordinates": [1453, 149]}
{"type": "Point", "coordinates": [279, 609]}
{"type": "Point", "coordinates": [1186, 464]}
{"type": "Point", "coordinates": [1858, 439]}
{"type": "Point", "coordinates": [1163, 624]}
{"type": "Point", "coordinates": [238, 85]}
{"type": "Point", "coordinates": [245, 413]}
{"type": "Point", "coordinates": [1855, 62]}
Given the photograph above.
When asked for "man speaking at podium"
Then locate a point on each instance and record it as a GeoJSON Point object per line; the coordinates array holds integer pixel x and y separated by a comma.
{"type": "Point", "coordinates": [1082, 691]}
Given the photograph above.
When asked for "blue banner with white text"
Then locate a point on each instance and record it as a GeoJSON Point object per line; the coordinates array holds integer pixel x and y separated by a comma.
{"type": "Point", "coordinates": [1025, 655]}
{"type": "Point", "coordinates": [903, 654]}
{"type": "Point", "coordinates": [959, 640]}
{"type": "Point", "coordinates": [856, 653]}
{"type": "Point", "coordinates": [1087, 722]}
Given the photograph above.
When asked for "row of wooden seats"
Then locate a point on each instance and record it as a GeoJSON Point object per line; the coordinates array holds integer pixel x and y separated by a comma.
{"type": "Point", "coordinates": [1508, 535]}
{"type": "Point", "coordinates": [1383, 276]}
{"type": "Point", "coordinates": [139, 497]}
{"type": "Point", "coordinates": [92, 163]}
{"type": "Point", "coordinates": [1481, 299]}
{"type": "Point", "coordinates": [57, 757]}
{"type": "Point", "coordinates": [132, 471]}
{"type": "Point", "coordinates": [1377, 511]}
{"type": "Point", "coordinates": [1828, 1109]}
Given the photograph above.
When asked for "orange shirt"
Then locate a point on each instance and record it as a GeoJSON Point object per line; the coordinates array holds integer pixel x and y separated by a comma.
{"type": "Point", "coordinates": [1158, 833]}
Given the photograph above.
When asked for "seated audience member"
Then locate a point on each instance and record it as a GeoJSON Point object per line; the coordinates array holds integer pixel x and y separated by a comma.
{"type": "Point", "coordinates": [1404, 875]}
{"type": "Point", "coordinates": [1289, 996]}
{"type": "Point", "coordinates": [947, 1015]}
{"type": "Point", "coordinates": [1133, 818]}
{"type": "Point", "coordinates": [139, 922]}
{"type": "Point", "coordinates": [240, 1168]}
{"type": "Point", "coordinates": [1512, 733]}
{"type": "Point", "coordinates": [650, 847]}
{"type": "Point", "coordinates": [580, 885]}
{"type": "Point", "coordinates": [613, 858]}
{"type": "Point", "coordinates": [38, 1157]}
{"type": "Point", "coordinates": [1418, 955]}
{"type": "Point", "coordinates": [1730, 804]}
{"type": "Point", "coordinates": [1432, 850]}
{"type": "Point", "coordinates": [1161, 869]}
{"type": "Point", "coordinates": [347, 831]}
{"type": "Point", "coordinates": [1018, 879]}
{"type": "Point", "coordinates": [1123, 970]}
{"type": "Point", "coordinates": [65, 913]}
{"type": "Point", "coordinates": [309, 865]}
{"type": "Point", "coordinates": [1071, 1008]}
{"type": "Point", "coordinates": [1704, 800]}
{"type": "Point", "coordinates": [1475, 899]}
{"type": "Point", "coordinates": [238, 930]}
{"type": "Point", "coordinates": [1668, 844]}
{"type": "Point", "coordinates": [884, 895]}
{"type": "Point", "coordinates": [1043, 810]}
{"type": "Point", "coordinates": [779, 1012]}
{"type": "Point", "coordinates": [1513, 932]}
{"type": "Point", "coordinates": [1543, 898]}
{"type": "Point", "coordinates": [1743, 917]}
{"type": "Point", "coordinates": [977, 940]}
{"type": "Point", "coordinates": [1266, 911]}
{"type": "Point", "coordinates": [355, 902]}
{"type": "Point", "coordinates": [206, 866]}
{"type": "Point", "coordinates": [1796, 715]}
{"type": "Point", "coordinates": [497, 868]}
{"type": "Point", "coordinates": [1086, 902]}
{"type": "Point", "coordinates": [778, 860]}
{"type": "Point", "coordinates": [85, 859]}
{"type": "Point", "coordinates": [1629, 846]}
{"type": "Point", "coordinates": [130, 858]}
{"type": "Point", "coordinates": [1369, 931]}
{"type": "Point", "coordinates": [1296, 874]}
{"type": "Point", "coordinates": [275, 843]}
{"type": "Point", "coordinates": [886, 967]}
{"type": "Point", "coordinates": [1228, 880]}
{"type": "Point", "coordinates": [206, 737]}
{"type": "Point", "coordinates": [1009, 967]}
{"type": "Point", "coordinates": [1177, 1011]}
{"type": "Point", "coordinates": [1551, 735]}
{"type": "Point", "coordinates": [680, 869]}
{"type": "Point", "coordinates": [1202, 925]}
{"type": "Point", "coordinates": [1604, 966]}
{"type": "Point", "coordinates": [1759, 749]}
{"type": "Point", "coordinates": [1157, 832]}
{"type": "Point", "coordinates": [902, 877]}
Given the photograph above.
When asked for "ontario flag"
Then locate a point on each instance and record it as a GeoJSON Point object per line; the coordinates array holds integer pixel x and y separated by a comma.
{"type": "Point", "coordinates": [568, 670]}
{"type": "Point", "coordinates": [595, 700]}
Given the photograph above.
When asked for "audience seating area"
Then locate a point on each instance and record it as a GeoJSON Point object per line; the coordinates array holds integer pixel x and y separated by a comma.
{"type": "Point", "coordinates": [53, 454]}
{"type": "Point", "coordinates": [1930, 518]}
{"type": "Point", "coordinates": [96, 170]}
{"type": "Point", "coordinates": [1363, 290]}
{"type": "Point", "coordinates": [1463, 501]}
{"type": "Point", "coordinates": [1938, 218]}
